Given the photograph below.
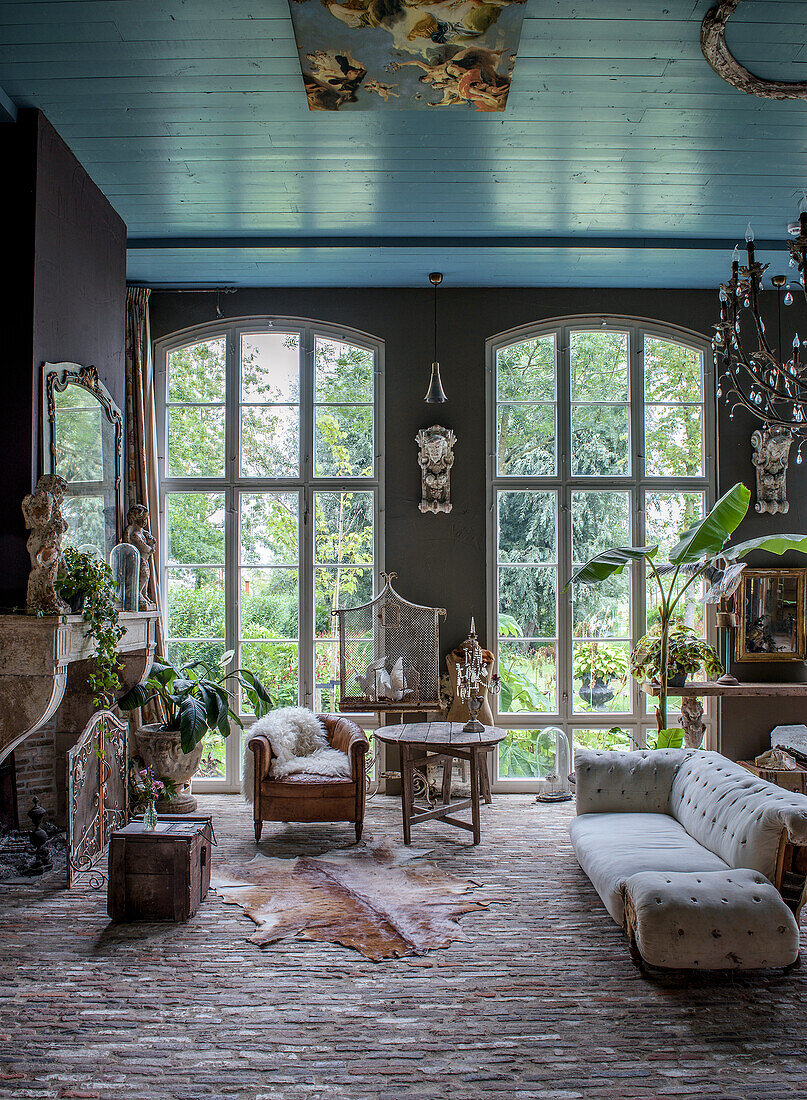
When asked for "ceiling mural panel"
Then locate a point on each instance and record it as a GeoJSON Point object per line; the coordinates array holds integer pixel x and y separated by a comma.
{"type": "Point", "coordinates": [407, 54]}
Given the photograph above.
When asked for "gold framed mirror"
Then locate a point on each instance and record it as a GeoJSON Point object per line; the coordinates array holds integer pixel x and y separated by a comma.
{"type": "Point", "coordinates": [82, 441]}
{"type": "Point", "coordinates": [771, 605]}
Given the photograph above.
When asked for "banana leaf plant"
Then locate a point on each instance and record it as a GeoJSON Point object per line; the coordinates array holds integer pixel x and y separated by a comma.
{"type": "Point", "coordinates": [194, 697]}
{"type": "Point", "coordinates": [702, 547]}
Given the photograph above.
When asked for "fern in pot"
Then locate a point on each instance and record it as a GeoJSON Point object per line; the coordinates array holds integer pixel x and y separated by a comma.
{"type": "Point", "coordinates": [195, 700]}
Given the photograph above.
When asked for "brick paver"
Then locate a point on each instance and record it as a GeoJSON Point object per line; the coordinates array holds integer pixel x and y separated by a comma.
{"type": "Point", "coordinates": [542, 1002]}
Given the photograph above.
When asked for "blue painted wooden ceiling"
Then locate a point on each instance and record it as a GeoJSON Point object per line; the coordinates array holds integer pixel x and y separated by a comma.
{"type": "Point", "coordinates": [621, 160]}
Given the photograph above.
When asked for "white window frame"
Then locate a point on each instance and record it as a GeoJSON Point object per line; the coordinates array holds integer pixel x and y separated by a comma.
{"type": "Point", "coordinates": [305, 485]}
{"type": "Point", "coordinates": [563, 483]}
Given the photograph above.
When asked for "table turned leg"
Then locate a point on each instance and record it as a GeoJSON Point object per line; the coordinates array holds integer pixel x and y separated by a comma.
{"type": "Point", "coordinates": [448, 767]}
{"type": "Point", "coordinates": [407, 793]}
{"type": "Point", "coordinates": [475, 793]}
{"type": "Point", "coordinates": [484, 777]}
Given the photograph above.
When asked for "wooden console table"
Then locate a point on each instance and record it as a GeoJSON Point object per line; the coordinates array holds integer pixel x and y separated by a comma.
{"type": "Point", "coordinates": [694, 691]}
{"type": "Point", "coordinates": [441, 743]}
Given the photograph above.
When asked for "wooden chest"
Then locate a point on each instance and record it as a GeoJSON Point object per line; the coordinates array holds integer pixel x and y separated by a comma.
{"type": "Point", "coordinates": [789, 781]}
{"type": "Point", "coordinates": [160, 874]}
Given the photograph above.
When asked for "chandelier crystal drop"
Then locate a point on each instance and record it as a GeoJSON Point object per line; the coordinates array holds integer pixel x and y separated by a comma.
{"type": "Point", "coordinates": [753, 371]}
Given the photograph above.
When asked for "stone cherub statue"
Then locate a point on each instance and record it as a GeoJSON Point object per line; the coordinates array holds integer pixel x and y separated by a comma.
{"type": "Point", "coordinates": [42, 510]}
{"type": "Point", "coordinates": [137, 533]}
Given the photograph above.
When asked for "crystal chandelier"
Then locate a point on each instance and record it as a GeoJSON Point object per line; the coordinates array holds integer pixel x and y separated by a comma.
{"type": "Point", "coordinates": [752, 370]}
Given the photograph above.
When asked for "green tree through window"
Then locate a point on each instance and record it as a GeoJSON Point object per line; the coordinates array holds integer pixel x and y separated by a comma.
{"type": "Point", "coordinates": [267, 534]}
{"type": "Point", "coordinates": [599, 435]}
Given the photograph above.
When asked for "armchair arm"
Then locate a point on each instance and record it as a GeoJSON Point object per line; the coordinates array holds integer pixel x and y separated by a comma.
{"type": "Point", "coordinates": [262, 751]}
{"type": "Point", "coordinates": [348, 738]}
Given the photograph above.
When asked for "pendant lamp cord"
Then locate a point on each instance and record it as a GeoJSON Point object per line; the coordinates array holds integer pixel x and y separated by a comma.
{"type": "Point", "coordinates": [435, 322]}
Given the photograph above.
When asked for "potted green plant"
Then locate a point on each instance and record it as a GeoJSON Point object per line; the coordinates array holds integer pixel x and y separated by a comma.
{"type": "Point", "coordinates": [85, 582]}
{"type": "Point", "coordinates": [597, 665]}
{"type": "Point", "coordinates": [687, 653]}
{"type": "Point", "coordinates": [194, 699]}
{"type": "Point", "coordinates": [702, 547]}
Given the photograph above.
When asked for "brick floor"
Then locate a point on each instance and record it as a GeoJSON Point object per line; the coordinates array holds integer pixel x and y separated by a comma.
{"type": "Point", "coordinates": [542, 1003]}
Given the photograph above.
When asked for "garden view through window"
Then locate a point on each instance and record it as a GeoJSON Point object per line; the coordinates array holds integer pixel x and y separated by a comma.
{"type": "Point", "coordinates": [270, 504]}
{"type": "Point", "coordinates": [599, 438]}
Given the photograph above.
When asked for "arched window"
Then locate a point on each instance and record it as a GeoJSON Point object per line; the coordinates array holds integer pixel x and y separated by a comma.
{"type": "Point", "coordinates": [270, 449]}
{"type": "Point", "coordinates": [600, 434]}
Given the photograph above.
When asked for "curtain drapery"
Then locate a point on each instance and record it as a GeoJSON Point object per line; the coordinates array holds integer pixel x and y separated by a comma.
{"type": "Point", "coordinates": [141, 430]}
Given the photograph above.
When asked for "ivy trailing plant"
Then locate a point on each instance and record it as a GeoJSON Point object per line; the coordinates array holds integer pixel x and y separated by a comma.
{"type": "Point", "coordinates": [701, 548]}
{"type": "Point", "coordinates": [86, 581]}
{"type": "Point", "coordinates": [195, 699]}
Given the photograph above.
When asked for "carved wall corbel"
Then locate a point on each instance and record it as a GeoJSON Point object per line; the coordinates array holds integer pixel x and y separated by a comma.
{"type": "Point", "coordinates": [435, 458]}
{"type": "Point", "coordinates": [770, 453]}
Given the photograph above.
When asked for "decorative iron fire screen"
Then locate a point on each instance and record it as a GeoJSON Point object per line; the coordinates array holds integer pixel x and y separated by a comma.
{"type": "Point", "coordinates": [389, 654]}
{"type": "Point", "coordinates": [97, 796]}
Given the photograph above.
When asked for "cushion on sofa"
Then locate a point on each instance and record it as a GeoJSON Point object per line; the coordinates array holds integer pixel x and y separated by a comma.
{"type": "Point", "coordinates": [610, 847]}
{"type": "Point", "coordinates": [709, 921]}
{"type": "Point", "coordinates": [625, 782]}
{"type": "Point", "coordinates": [737, 816]}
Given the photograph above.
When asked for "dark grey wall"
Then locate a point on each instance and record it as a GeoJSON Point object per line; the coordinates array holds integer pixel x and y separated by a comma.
{"type": "Point", "coordinates": [64, 300]}
{"type": "Point", "coordinates": [441, 559]}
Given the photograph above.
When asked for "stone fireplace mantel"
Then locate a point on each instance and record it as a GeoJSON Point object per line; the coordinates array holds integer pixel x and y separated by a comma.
{"type": "Point", "coordinates": [44, 664]}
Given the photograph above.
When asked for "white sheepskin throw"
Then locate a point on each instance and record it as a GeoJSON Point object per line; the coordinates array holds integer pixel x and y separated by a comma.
{"type": "Point", "coordinates": [299, 746]}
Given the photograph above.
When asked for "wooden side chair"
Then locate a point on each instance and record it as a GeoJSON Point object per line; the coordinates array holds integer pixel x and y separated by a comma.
{"type": "Point", "coordinates": [312, 797]}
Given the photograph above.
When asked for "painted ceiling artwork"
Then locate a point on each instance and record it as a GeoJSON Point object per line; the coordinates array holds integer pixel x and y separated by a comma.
{"type": "Point", "coordinates": [407, 54]}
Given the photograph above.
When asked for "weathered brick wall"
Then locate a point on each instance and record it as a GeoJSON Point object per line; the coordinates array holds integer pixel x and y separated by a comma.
{"type": "Point", "coordinates": [35, 759]}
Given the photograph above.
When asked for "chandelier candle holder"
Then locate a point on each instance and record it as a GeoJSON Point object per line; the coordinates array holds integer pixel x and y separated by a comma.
{"type": "Point", "coordinates": [753, 371]}
{"type": "Point", "coordinates": [472, 680]}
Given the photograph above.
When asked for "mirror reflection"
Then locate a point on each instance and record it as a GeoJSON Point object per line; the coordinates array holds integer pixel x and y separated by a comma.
{"type": "Point", "coordinates": [772, 615]}
{"type": "Point", "coordinates": [83, 444]}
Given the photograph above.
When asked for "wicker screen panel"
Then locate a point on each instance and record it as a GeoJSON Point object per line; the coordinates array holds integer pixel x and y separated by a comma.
{"type": "Point", "coordinates": [389, 654]}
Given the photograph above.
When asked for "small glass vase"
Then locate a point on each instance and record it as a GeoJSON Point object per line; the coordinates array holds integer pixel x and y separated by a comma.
{"type": "Point", "coordinates": [150, 817]}
{"type": "Point", "coordinates": [124, 561]}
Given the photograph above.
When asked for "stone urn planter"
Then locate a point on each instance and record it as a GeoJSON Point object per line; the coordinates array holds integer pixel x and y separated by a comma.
{"type": "Point", "coordinates": [161, 749]}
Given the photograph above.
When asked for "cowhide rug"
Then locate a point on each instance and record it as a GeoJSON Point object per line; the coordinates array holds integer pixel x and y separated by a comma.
{"type": "Point", "coordinates": [366, 898]}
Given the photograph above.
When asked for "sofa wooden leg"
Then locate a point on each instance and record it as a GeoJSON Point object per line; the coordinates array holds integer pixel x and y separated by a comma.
{"type": "Point", "coordinates": [258, 831]}
{"type": "Point", "coordinates": [359, 825]}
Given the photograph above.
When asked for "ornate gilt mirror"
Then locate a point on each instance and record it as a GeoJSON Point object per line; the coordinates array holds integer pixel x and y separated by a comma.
{"type": "Point", "coordinates": [772, 615]}
{"type": "Point", "coordinates": [83, 442]}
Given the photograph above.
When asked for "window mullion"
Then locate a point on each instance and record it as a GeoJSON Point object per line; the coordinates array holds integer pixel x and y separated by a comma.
{"type": "Point", "coordinates": [232, 575]}
{"type": "Point", "coordinates": [564, 441]}
{"type": "Point", "coordinates": [306, 555]}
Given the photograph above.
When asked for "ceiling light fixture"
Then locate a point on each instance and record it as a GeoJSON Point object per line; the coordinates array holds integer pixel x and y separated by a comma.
{"type": "Point", "coordinates": [435, 395]}
{"type": "Point", "coordinates": [753, 371]}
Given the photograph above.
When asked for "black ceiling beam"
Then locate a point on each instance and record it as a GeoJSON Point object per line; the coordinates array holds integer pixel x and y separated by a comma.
{"type": "Point", "coordinates": [706, 244]}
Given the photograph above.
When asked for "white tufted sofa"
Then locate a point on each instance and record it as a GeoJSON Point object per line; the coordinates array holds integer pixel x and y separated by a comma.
{"type": "Point", "coordinates": [691, 854]}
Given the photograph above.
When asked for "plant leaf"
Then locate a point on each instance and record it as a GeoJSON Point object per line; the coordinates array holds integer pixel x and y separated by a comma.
{"type": "Point", "coordinates": [610, 562]}
{"type": "Point", "coordinates": [672, 738]}
{"type": "Point", "coordinates": [134, 698]}
{"type": "Point", "coordinates": [773, 544]}
{"type": "Point", "coordinates": [192, 722]}
{"type": "Point", "coordinates": [706, 539]}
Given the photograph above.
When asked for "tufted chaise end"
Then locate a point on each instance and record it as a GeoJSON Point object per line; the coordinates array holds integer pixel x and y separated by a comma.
{"type": "Point", "coordinates": [708, 920]}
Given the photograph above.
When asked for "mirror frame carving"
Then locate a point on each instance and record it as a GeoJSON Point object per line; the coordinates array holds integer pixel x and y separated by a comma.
{"type": "Point", "coordinates": [800, 653]}
{"type": "Point", "coordinates": [56, 377]}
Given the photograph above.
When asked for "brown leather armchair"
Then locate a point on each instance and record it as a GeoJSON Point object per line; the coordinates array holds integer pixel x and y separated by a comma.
{"type": "Point", "coordinates": [312, 797]}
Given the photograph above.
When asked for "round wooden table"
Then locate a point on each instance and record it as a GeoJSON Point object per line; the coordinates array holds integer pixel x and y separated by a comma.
{"type": "Point", "coordinates": [424, 743]}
